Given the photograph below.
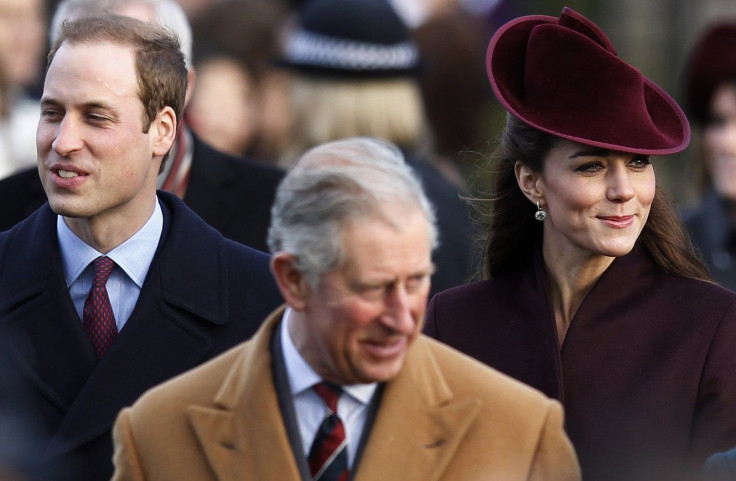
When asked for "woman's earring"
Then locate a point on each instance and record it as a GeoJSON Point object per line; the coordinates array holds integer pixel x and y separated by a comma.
{"type": "Point", "coordinates": [540, 214]}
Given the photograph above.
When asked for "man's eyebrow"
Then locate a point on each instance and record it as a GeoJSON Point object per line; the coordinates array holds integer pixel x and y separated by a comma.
{"type": "Point", "coordinates": [49, 101]}
{"type": "Point", "coordinates": [87, 105]}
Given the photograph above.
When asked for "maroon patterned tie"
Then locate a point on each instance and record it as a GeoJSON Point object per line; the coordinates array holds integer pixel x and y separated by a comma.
{"type": "Point", "coordinates": [98, 319]}
{"type": "Point", "coordinates": [328, 456]}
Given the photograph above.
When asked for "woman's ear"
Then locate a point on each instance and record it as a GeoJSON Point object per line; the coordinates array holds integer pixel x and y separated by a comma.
{"type": "Point", "coordinates": [529, 181]}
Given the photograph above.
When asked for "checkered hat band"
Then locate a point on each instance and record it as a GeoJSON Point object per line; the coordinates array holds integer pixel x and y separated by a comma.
{"type": "Point", "coordinates": [307, 48]}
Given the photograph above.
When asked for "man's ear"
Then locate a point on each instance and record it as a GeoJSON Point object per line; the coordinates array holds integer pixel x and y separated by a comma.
{"type": "Point", "coordinates": [293, 284]}
{"type": "Point", "coordinates": [529, 182]}
{"type": "Point", "coordinates": [163, 129]}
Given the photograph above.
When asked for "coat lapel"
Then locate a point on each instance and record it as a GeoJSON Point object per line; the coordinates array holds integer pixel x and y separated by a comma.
{"type": "Point", "coordinates": [419, 416]}
{"type": "Point", "coordinates": [37, 316]}
{"type": "Point", "coordinates": [244, 436]}
{"type": "Point", "coordinates": [135, 362]}
{"type": "Point", "coordinates": [165, 335]}
{"type": "Point", "coordinates": [50, 347]}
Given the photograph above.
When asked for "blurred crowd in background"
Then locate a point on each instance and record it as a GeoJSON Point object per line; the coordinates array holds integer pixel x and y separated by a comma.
{"type": "Point", "coordinates": [246, 104]}
{"type": "Point", "coordinates": [242, 104]}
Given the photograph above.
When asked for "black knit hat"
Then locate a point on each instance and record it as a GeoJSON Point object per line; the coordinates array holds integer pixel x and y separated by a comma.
{"type": "Point", "coordinates": [350, 38]}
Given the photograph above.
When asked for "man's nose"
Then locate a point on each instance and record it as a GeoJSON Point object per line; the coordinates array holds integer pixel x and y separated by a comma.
{"type": "Point", "coordinates": [398, 310]}
{"type": "Point", "coordinates": [68, 138]}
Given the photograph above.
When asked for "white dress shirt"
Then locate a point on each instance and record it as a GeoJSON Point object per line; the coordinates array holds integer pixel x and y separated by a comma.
{"type": "Point", "coordinates": [133, 258]}
{"type": "Point", "coordinates": [352, 408]}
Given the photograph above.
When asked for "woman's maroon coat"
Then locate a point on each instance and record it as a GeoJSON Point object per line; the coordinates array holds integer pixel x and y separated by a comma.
{"type": "Point", "coordinates": [647, 371]}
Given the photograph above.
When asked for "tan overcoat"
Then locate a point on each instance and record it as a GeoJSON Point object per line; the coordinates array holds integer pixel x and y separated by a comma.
{"type": "Point", "coordinates": [444, 417]}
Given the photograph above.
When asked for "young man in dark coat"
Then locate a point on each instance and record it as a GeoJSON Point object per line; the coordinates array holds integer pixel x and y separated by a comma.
{"type": "Point", "coordinates": [232, 194]}
{"type": "Point", "coordinates": [88, 340]}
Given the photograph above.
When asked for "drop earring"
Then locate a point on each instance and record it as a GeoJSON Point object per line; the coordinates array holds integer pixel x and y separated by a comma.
{"type": "Point", "coordinates": [540, 214]}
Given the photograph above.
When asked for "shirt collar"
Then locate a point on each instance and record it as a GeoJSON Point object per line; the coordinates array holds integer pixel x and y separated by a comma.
{"type": "Point", "coordinates": [133, 256]}
{"type": "Point", "coordinates": [301, 375]}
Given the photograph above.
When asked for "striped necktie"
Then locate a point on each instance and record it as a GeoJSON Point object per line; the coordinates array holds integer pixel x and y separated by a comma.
{"type": "Point", "coordinates": [328, 456]}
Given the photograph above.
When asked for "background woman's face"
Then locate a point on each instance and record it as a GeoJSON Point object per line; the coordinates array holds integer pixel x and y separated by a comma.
{"type": "Point", "coordinates": [597, 200]}
{"type": "Point", "coordinates": [720, 141]}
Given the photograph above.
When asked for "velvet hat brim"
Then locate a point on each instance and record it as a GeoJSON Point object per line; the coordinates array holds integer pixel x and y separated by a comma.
{"type": "Point", "coordinates": [562, 76]}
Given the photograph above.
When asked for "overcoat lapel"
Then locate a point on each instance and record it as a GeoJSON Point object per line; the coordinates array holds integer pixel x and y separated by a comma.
{"type": "Point", "coordinates": [37, 315]}
{"type": "Point", "coordinates": [417, 416]}
{"type": "Point", "coordinates": [133, 364]}
{"type": "Point", "coordinates": [244, 436]}
{"type": "Point", "coordinates": [165, 334]}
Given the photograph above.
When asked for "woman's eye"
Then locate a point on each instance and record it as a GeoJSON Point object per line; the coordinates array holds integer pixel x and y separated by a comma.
{"type": "Point", "coordinates": [641, 161]}
{"type": "Point", "coordinates": [591, 167]}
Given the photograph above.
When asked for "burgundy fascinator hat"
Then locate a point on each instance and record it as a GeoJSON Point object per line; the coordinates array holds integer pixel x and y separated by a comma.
{"type": "Point", "coordinates": [562, 76]}
{"type": "Point", "coordinates": [712, 63]}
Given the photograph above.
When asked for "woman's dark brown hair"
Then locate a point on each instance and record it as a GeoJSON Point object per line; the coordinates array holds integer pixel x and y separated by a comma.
{"type": "Point", "coordinates": [506, 216]}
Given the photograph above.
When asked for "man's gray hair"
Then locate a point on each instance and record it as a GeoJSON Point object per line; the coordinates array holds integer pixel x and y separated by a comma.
{"type": "Point", "coordinates": [167, 12]}
{"type": "Point", "coordinates": [336, 183]}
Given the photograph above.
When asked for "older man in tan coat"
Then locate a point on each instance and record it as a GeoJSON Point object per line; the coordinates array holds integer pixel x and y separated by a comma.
{"type": "Point", "coordinates": [339, 383]}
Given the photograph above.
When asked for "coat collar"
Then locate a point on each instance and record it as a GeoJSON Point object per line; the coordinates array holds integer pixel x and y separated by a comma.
{"type": "Point", "coordinates": [184, 255]}
{"type": "Point", "coordinates": [30, 251]}
{"type": "Point", "coordinates": [36, 312]}
{"type": "Point", "coordinates": [616, 288]}
{"type": "Point", "coordinates": [418, 415]}
{"type": "Point", "coordinates": [244, 435]}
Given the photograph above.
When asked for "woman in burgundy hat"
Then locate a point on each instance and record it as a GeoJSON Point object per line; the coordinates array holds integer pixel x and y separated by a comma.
{"type": "Point", "coordinates": [592, 293]}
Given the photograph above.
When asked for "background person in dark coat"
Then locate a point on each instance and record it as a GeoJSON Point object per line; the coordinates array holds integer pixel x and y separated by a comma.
{"type": "Point", "coordinates": [593, 294]}
{"type": "Point", "coordinates": [354, 69]}
{"type": "Point", "coordinates": [180, 293]}
{"type": "Point", "coordinates": [232, 194]}
{"type": "Point", "coordinates": [711, 100]}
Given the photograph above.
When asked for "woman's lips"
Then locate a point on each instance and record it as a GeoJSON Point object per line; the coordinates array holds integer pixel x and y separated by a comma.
{"type": "Point", "coordinates": [618, 221]}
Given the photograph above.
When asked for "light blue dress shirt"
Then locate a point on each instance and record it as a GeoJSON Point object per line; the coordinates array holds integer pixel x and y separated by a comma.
{"type": "Point", "coordinates": [352, 408]}
{"type": "Point", "coordinates": [133, 258]}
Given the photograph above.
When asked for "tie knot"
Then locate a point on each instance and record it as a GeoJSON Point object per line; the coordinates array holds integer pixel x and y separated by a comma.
{"type": "Point", "coordinates": [103, 268]}
{"type": "Point", "coordinates": [329, 393]}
